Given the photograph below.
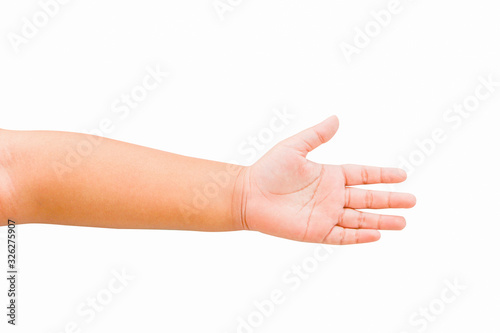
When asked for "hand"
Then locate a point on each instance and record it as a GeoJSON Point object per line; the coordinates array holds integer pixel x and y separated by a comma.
{"type": "Point", "coordinates": [286, 195]}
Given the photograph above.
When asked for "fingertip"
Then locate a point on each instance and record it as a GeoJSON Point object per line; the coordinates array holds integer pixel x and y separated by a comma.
{"type": "Point", "coordinates": [406, 200]}
{"type": "Point", "coordinates": [413, 200]}
{"type": "Point", "coordinates": [334, 120]}
{"type": "Point", "coordinates": [402, 174]}
{"type": "Point", "coordinates": [393, 175]}
{"type": "Point", "coordinates": [369, 236]}
{"type": "Point", "coordinates": [328, 128]}
{"type": "Point", "coordinates": [401, 223]}
{"type": "Point", "coordinates": [376, 235]}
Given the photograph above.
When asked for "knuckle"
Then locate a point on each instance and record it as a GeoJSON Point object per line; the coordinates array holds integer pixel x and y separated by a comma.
{"type": "Point", "coordinates": [364, 175]}
{"type": "Point", "coordinates": [361, 220]}
{"type": "Point", "coordinates": [369, 199]}
{"type": "Point", "coordinates": [342, 236]}
{"type": "Point", "coordinates": [347, 198]}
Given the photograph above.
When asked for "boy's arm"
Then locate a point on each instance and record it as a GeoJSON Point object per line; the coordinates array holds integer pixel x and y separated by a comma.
{"type": "Point", "coordinates": [78, 179]}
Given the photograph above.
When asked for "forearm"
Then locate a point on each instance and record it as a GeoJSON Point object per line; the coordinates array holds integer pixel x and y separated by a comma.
{"type": "Point", "coordinates": [115, 184]}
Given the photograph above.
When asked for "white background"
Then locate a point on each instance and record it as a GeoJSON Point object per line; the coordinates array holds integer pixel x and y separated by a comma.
{"type": "Point", "coordinates": [226, 76]}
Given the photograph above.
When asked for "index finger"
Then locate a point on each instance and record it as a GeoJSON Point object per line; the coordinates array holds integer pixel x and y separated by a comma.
{"type": "Point", "coordinates": [362, 174]}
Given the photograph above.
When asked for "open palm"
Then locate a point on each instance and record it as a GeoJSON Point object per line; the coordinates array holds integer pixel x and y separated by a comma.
{"type": "Point", "coordinates": [286, 195]}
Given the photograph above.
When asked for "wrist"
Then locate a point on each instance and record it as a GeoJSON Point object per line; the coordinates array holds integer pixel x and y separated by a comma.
{"type": "Point", "coordinates": [239, 197]}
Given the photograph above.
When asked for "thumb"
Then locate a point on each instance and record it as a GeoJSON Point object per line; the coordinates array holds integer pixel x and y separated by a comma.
{"type": "Point", "coordinates": [311, 138]}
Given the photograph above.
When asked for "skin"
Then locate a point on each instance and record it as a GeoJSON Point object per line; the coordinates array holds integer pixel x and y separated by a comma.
{"type": "Point", "coordinates": [121, 185]}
